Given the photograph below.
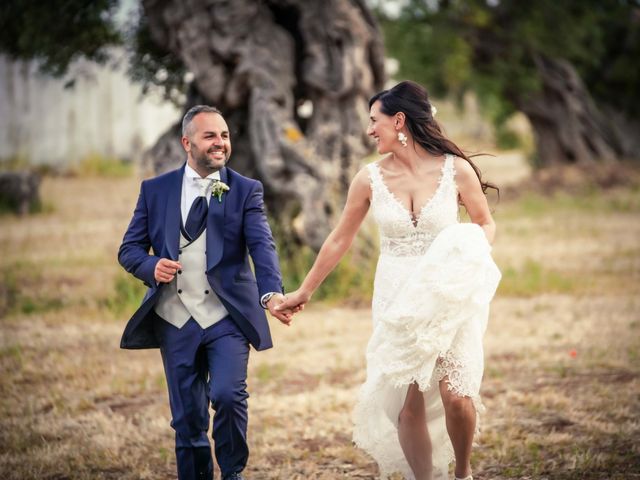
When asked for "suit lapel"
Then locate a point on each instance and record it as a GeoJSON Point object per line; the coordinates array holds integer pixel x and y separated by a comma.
{"type": "Point", "coordinates": [173, 214]}
{"type": "Point", "coordinates": [215, 225]}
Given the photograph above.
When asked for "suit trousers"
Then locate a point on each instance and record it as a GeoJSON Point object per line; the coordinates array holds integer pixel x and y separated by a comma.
{"type": "Point", "coordinates": [202, 366]}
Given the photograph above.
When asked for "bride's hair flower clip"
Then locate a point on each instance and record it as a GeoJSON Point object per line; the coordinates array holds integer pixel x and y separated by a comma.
{"type": "Point", "coordinates": [434, 110]}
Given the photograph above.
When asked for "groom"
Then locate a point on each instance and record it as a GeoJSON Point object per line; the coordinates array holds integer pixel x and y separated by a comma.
{"type": "Point", "coordinates": [204, 306]}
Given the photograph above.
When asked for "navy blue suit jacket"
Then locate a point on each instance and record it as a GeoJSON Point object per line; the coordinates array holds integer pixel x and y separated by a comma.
{"type": "Point", "coordinates": [236, 227]}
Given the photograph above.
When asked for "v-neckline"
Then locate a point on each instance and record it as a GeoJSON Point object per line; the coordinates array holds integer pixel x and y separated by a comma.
{"type": "Point", "coordinates": [426, 204]}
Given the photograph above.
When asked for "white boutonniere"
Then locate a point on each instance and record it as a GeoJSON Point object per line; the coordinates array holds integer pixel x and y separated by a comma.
{"type": "Point", "coordinates": [218, 189]}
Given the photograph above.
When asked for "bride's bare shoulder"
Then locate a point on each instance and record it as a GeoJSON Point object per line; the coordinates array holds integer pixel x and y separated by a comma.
{"type": "Point", "coordinates": [361, 178]}
{"type": "Point", "coordinates": [360, 188]}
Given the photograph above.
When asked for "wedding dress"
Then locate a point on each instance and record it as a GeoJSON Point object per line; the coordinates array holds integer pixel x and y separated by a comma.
{"type": "Point", "coordinates": [434, 280]}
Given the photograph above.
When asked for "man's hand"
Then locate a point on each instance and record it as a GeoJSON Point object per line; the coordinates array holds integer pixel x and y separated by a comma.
{"type": "Point", "coordinates": [284, 315]}
{"type": "Point", "coordinates": [165, 270]}
{"type": "Point", "coordinates": [294, 301]}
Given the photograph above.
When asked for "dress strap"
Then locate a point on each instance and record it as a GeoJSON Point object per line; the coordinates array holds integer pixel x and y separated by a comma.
{"type": "Point", "coordinates": [449, 165]}
{"type": "Point", "coordinates": [449, 169]}
{"type": "Point", "coordinates": [375, 178]}
{"type": "Point", "coordinates": [376, 182]}
{"type": "Point", "coordinates": [373, 171]}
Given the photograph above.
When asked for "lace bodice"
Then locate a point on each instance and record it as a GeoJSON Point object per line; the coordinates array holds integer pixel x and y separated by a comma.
{"type": "Point", "coordinates": [398, 234]}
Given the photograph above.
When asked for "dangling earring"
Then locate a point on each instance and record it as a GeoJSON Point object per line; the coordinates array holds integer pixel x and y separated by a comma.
{"type": "Point", "coordinates": [402, 138]}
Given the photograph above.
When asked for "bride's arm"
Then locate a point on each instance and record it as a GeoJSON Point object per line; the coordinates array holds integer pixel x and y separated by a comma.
{"type": "Point", "coordinates": [337, 243]}
{"type": "Point", "coordinates": [474, 199]}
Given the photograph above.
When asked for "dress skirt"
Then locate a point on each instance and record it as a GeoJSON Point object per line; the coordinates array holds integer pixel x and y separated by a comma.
{"type": "Point", "coordinates": [429, 316]}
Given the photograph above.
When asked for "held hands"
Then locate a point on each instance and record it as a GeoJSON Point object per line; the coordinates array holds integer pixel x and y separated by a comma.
{"type": "Point", "coordinates": [294, 301]}
{"type": "Point", "coordinates": [283, 313]}
{"type": "Point", "coordinates": [166, 270]}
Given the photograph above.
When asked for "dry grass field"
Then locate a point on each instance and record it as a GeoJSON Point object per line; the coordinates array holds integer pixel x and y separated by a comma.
{"type": "Point", "coordinates": [562, 379]}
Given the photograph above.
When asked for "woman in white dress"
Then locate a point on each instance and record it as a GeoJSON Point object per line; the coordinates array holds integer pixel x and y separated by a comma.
{"type": "Point", "coordinates": [434, 281]}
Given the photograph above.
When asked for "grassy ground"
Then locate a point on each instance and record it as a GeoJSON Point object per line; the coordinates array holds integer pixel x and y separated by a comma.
{"type": "Point", "coordinates": [562, 379]}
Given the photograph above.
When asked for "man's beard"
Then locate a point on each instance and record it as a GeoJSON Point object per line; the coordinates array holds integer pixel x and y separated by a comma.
{"type": "Point", "coordinates": [203, 161]}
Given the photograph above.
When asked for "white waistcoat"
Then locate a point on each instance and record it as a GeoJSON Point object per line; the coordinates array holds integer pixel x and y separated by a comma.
{"type": "Point", "coordinates": [189, 294]}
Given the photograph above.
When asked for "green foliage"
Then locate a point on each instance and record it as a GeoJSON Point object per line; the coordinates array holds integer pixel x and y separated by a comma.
{"type": "Point", "coordinates": [493, 48]}
{"type": "Point", "coordinates": [533, 279]}
{"type": "Point", "coordinates": [8, 292]}
{"type": "Point", "coordinates": [155, 66]}
{"type": "Point", "coordinates": [127, 294]}
{"type": "Point", "coordinates": [536, 206]}
{"type": "Point", "coordinates": [20, 163]}
{"type": "Point", "coordinates": [19, 294]}
{"type": "Point", "coordinates": [420, 47]}
{"type": "Point", "coordinates": [8, 207]}
{"type": "Point", "coordinates": [13, 353]}
{"type": "Point", "coordinates": [14, 163]}
{"type": "Point", "coordinates": [57, 32]}
{"type": "Point", "coordinates": [268, 372]}
{"type": "Point", "coordinates": [507, 139]}
{"type": "Point", "coordinates": [91, 165]}
{"type": "Point", "coordinates": [30, 305]}
{"type": "Point", "coordinates": [96, 165]}
{"type": "Point", "coordinates": [351, 281]}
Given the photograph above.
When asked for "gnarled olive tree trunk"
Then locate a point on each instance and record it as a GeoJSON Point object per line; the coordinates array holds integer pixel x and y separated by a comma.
{"type": "Point", "coordinates": [569, 127]}
{"type": "Point", "coordinates": [263, 63]}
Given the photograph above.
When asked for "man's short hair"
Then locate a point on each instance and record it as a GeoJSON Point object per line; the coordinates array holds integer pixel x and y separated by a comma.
{"type": "Point", "coordinates": [192, 112]}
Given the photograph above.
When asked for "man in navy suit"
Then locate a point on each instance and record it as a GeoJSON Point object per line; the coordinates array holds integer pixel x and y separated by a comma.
{"type": "Point", "coordinates": [189, 240]}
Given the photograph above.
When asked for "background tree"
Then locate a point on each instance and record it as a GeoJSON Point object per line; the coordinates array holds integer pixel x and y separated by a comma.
{"type": "Point", "coordinates": [571, 67]}
{"type": "Point", "coordinates": [260, 62]}
{"type": "Point", "coordinates": [58, 32]}
{"type": "Point", "coordinates": [292, 76]}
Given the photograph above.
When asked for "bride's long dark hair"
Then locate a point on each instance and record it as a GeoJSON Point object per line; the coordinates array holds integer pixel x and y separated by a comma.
{"type": "Point", "coordinates": [412, 99]}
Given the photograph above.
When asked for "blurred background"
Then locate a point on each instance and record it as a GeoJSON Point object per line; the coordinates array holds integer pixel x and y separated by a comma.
{"type": "Point", "coordinates": [91, 97]}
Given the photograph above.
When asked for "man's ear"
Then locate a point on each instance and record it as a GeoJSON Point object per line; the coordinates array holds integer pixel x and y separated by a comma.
{"type": "Point", "coordinates": [186, 144]}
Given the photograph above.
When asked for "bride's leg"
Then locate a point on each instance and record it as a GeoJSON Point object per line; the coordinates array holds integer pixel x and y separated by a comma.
{"type": "Point", "coordinates": [413, 434]}
{"type": "Point", "coordinates": [461, 424]}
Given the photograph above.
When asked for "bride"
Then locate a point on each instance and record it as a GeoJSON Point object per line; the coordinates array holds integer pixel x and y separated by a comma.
{"type": "Point", "coordinates": [434, 280]}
